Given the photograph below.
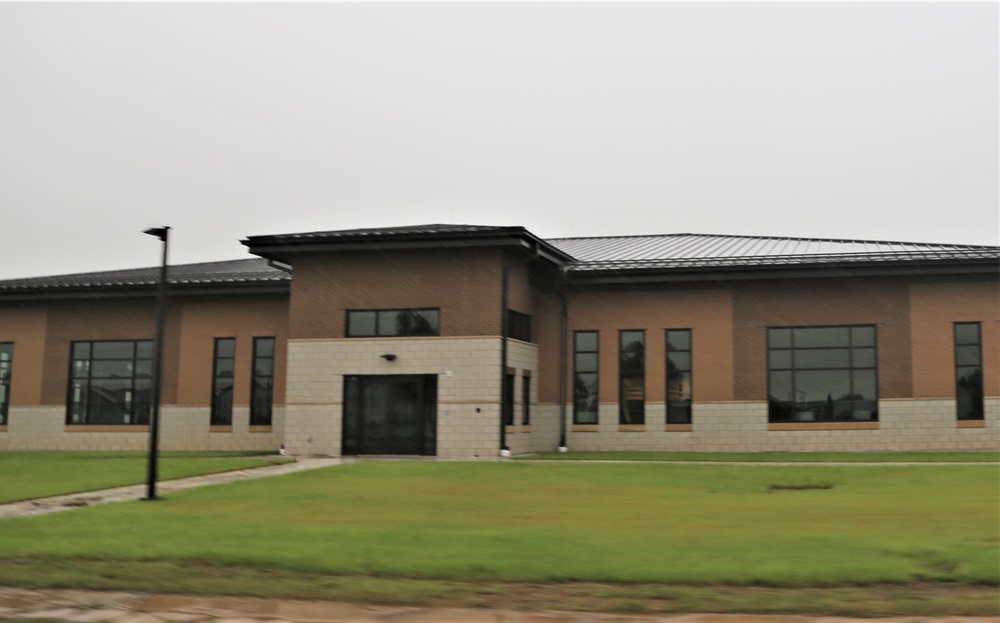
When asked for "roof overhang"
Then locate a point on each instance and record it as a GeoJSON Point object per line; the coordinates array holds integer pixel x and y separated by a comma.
{"type": "Point", "coordinates": [284, 248]}
{"type": "Point", "coordinates": [620, 275]}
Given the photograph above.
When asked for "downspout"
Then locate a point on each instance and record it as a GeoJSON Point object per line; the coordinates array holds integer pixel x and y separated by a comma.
{"type": "Point", "coordinates": [504, 295]}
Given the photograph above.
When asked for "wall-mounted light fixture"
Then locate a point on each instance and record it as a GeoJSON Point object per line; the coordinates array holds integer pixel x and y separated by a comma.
{"type": "Point", "coordinates": [388, 357]}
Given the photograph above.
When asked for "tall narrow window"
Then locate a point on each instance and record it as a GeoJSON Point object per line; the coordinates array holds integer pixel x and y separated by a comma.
{"type": "Point", "coordinates": [508, 399]}
{"type": "Point", "coordinates": [969, 370]}
{"type": "Point", "coordinates": [678, 376]}
{"type": "Point", "coordinates": [822, 374]}
{"type": "Point", "coordinates": [6, 364]}
{"type": "Point", "coordinates": [585, 377]}
{"type": "Point", "coordinates": [222, 381]}
{"type": "Point", "coordinates": [110, 382]}
{"type": "Point", "coordinates": [262, 390]}
{"type": "Point", "coordinates": [526, 400]}
{"type": "Point", "coordinates": [632, 377]}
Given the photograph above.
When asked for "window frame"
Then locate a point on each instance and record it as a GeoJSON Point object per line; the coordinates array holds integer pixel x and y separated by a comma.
{"type": "Point", "coordinates": [347, 322]}
{"type": "Point", "coordinates": [671, 411]}
{"type": "Point", "coordinates": [623, 410]}
{"type": "Point", "coordinates": [134, 415]}
{"type": "Point", "coordinates": [978, 409]}
{"type": "Point", "coordinates": [596, 372]}
{"type": "Point", "coordinates": [256, 417]}
{"type": "Point", "coordinates": [851, 368]}
{"type": "Point", "coordinates": [215, 418]}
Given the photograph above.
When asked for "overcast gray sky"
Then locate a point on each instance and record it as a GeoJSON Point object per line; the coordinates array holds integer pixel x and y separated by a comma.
{"type": "Point", "coordinates": [877, 121]}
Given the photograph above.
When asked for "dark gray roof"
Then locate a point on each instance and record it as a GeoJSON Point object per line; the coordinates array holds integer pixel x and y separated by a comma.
{"type": "Point", "coordinates": [604, 255]}
{"type": "Point", "coordinates": [672, 251]}
{"type": "Point", "coordinates": [232, 273]}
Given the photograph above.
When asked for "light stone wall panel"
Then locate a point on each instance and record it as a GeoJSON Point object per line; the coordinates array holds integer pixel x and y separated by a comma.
{"type": "Point", "coordinates": [181, 428]}
{"type": "Point", "coordinates": [467, 369]}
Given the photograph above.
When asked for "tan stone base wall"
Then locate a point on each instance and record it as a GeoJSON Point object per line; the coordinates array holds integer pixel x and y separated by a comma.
{"type": "Point", "coordinates": [181, 428]}
{"type": "Point", "coordinates": [742, 427]}
{"type": "Point", "coordinates": [468, 373]}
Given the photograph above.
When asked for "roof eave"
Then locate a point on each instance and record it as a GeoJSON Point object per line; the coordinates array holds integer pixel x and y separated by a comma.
{"type": "Point", "coordinates": [812, 271]}
{"type": "Point", "coordinates": [283, 249]}
{"type": "Point", "coordinates": [263, 287]}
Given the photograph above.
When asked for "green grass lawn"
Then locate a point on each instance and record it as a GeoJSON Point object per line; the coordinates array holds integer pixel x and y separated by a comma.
{"type": "Point", "coordinates": [775, 457]}
{"type": "Point", "coordinates": [28, 475]}
{"type": "Point", "coordinates": [623, 536]}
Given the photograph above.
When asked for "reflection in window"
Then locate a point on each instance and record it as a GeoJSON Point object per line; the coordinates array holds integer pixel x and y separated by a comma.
{"type": "Point", "coordinates": [6, 364]}
{"type": "Point", "coordinates": [262, 388]}
{"type": "Point", "coordinates": [110, 382]}
{"type": "Point", "coordinates": [678, 376]}
{"type": "Point", "coordinates": [632, 377]}
{"type": "Point", "coordinates": [224, 360]}
{"type": "Point", "coordinates": [392, 322]}
{"type": "Point", "coordinates": [969, 370]}
{"type": "Point", "coordinates": [822, 374]}
{"type": "Point", "coordinates": [585, 377]}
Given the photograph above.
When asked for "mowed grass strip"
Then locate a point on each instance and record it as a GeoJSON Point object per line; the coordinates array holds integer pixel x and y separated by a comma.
{"type": "Point", "coordinates": [30, 475]}
{"type": "Point", "coordinates": [774, 457]}
{"type": "Point", "coordinates": [555, 523]}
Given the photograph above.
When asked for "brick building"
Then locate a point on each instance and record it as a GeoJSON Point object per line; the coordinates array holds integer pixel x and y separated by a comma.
{"type": "Point", "coordinates": [457, 341]}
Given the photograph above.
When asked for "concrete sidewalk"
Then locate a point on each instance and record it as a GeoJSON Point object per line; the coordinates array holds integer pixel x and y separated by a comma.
{"type": "Point", "coordinates": [41, 506]}
{"type": "Point", "coordinates": [114, 607]}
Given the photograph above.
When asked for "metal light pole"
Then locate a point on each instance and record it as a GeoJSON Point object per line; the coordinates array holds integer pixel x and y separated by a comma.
{"type": "Point", "coordinates": [163, 233]}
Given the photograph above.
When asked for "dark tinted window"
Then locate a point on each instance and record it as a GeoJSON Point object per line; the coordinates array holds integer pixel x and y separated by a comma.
{"type": "Point", "coordinates": [518, 326]}
{"type": "Point", "coordinates": [262, 381]}
{"type": "Point", "coordinates": [223, 365]}
{"type": "Point", "coordinates": [679, 376]}
{"type": "Point", "coordinates": [6, 366]}
{"type": "Point", "coordinates": [822, 374]}
{"type": "Point", "coordinates": [632, 377]}
{"type": "Point", "coordinates": [968, 371]}
{"type": "Point", "coordinates": [585, 377]}
{"type": "Point", "coordinates": [393, 323]}
{"type": "Point", "coordinates": [110, 382]}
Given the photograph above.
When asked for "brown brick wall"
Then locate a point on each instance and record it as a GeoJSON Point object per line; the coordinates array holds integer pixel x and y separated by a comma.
{"type": "Point", "coordinates": [25, 327]}
{"type": "Point", "coordinates": [934, 307]}
{"type": "Point", "coordinates": [105, 319]}
{"type": "Point", "coordinates": [464, 284]}
{"type": "Point", "coordinates": [243, 319]}
{"type": "Point", "coordinates": [707, 311]}
{"type": "Point", "coordinates": [43, 335]}
{"type": "Point", "coordinates": [788, 303]}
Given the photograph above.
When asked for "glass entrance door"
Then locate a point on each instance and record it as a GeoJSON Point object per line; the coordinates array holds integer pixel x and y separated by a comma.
{"type": "Point", "coordinates": [390, 415]}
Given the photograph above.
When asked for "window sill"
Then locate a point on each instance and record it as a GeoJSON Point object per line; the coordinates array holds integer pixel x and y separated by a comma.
{"type": "Point", "coordinates": [631, 428]}
{"type": "Point", "coordinates": [107, 428]}
{"type": "Point", "coordinates": [509, 428]}
{"type": "Point", "coordinates": [971, 423]}
{"type": "Point", "coordinates": [526, 428]}
{"type": "Point", "coordinates": [823, 426]}
{"type": "Point", "coordinates": [679, 428]}
{"type": "Point", "coordinates": [3, 428]}
{"type": "Point", "coordinates": [220, 429]}
{"type": "Point", "coordinates": [586, 428]}
{"type": "Point", "coordinates": [260, 429]}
